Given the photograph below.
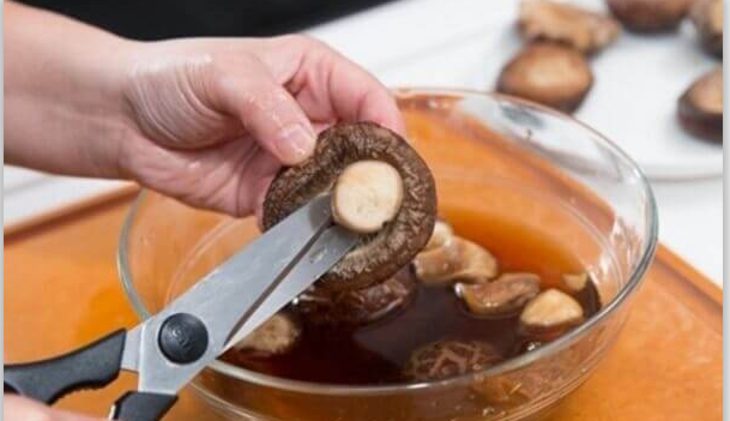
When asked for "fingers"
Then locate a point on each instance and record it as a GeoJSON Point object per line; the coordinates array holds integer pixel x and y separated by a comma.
{"type": "Point", "coordinates": [16, 408]}
{"type": "Point", "coordinates": [232, 177]}
{"type": "Point", "coordinates": [330, 87]}
{"type": "Point", "coordinates": [268, 112]}
{"type": "Point", "coordinates": [358, 96]}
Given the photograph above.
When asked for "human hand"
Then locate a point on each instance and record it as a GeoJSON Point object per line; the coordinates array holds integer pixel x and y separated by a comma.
{"type": "Point", "coordinates": [16, 408]}
{"type": "Point", "coordinates": [213, 120]}
{"type": "Point", "coordinates": [208, 121]}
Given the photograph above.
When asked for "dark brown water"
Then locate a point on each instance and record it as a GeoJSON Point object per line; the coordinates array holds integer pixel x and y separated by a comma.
{"type": "Point", "coordinates": [376, 353]}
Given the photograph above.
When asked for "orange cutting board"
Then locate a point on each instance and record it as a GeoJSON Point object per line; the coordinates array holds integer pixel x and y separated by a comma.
{"type": "Point", "coordinates": [62, 290]}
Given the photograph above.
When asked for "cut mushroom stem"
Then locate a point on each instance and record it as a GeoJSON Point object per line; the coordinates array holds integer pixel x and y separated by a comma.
{"type": "Point", "coordinates": [576, 27]}
{"type": "Point", "coordinates": [275, 336]}
{"type": "Point", "coordinates": [458, 260]}
{"type": "Point", "coordinates": [649, 15]}
{"type": "Point", "coordinates": [551, 74]}
{"type": "Point", "coordinates": [442, 234]}
{"type": "Point", "coordinates": [700, 107]}
{"type": "Point", "coordinates": [575, 282]}
{"type": "Point", "coordinates": [504, 296]}
{"type": "Point", "coordinates": [367, 195]}
{"type": "Point", "coordinates": [551, 309]}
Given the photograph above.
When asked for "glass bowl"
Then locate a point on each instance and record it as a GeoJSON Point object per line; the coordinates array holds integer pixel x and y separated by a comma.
{"type": "Point", "coordinates": [508, 160]}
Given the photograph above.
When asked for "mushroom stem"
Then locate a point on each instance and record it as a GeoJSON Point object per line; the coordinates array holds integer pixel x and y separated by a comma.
{"type": "Point", "coordinates": [367, 195]}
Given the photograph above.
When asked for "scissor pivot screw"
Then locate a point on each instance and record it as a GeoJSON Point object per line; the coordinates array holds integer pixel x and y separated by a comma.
{"type": "Point", "coordinates": [183, 338]}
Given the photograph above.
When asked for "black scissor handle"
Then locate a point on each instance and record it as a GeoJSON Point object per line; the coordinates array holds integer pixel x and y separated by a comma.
{"type": "Point", "coordinates": [142, 406]}
{"type": "Point", "coordinates": [93, 366]}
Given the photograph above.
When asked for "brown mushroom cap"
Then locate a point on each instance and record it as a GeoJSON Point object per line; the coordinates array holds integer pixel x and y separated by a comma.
{"type": "Point", "coordinates": [379, 255]}
{"type": "Point", "coordinates": [707, 18]}
{"type": "Point", "coordinates": [700, 107]}
{"type": "Point", "coordinates": [548, 73]}
{"type": "Point", "coordinates": [444, 359]}
{"type": "Point", "coordinates": [581, 29]}
{"type": "Point", "coordinates": [356, 307]}
{"type": "Point", "coordinates": [649, 15]}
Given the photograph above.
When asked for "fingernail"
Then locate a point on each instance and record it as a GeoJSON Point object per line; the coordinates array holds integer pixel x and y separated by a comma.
{"type": "Point", "coordinates": [295, 143]}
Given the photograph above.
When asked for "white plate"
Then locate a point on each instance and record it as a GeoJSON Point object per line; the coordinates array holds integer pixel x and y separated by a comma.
{"type": "Point", "coordinates": [633, 100]}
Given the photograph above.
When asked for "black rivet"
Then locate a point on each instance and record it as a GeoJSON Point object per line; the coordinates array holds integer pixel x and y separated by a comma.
{"type": "Point", "coordinates": [183, 338]}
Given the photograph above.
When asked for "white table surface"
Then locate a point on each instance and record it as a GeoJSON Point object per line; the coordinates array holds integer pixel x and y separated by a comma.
{"type": "Point", "coordinates": [429, 43]}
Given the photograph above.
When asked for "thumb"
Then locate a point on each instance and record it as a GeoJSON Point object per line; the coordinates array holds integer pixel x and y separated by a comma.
{"type": "Point", "coordinates": [269, 113]}
{"type": "Point", "coordinates": [16, 408]}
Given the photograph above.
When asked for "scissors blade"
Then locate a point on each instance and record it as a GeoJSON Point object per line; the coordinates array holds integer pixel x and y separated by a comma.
{"type": "Point", "coordinates": [328, 249]}
{"type": "Point", "coordinates": [220, 298]}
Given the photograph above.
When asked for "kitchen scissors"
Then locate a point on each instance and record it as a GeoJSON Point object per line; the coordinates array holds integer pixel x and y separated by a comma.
{"type": "Point", "coordinates": [168, 349]}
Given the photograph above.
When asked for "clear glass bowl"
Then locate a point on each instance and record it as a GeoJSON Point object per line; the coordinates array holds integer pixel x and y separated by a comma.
{"type": "Point", "coordinates": [509, 160]}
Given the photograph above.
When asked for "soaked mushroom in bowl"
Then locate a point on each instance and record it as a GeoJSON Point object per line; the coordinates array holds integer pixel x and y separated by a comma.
{"type": "Point", "coordinates": [359, 306]}
{"type": "Point", "coordinates": [275, 336]}
{"type": "Point", "coordinates": [444, 359]}
{"type": "Point", "coordinates": [506, 294]}
{"type": "Point", "coordinates": [457, 259]}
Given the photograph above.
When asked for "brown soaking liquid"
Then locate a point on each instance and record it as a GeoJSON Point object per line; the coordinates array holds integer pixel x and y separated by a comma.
{"type": "Point", "coordinates": [376, 353]}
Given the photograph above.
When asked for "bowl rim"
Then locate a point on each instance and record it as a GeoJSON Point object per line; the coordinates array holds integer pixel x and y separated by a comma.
{"type": "Point", "coordinates": [627, 290]}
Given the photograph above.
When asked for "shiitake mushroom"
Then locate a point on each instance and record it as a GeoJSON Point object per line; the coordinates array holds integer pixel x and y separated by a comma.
{"type": "Point", "coordinates": [440, 237]}
{"type": "Point", "coordinates": [358, 307]}
{"type": "Point", "coordinates": [457, 260]}
{"type": "Point", "coordinates": [449, 358]}
{"type": "Point", "coordinates": [575, 282]}
{"type": "Point", "coordinates": [550, 311]}
{"type": "Point", "coordinates": [582, 287]}
{"type": "Point", "coordinates": [574, 26]}
{"type": "Point", "coordinates": [275, 336]}
{"type": "Point", "coordinates": [551, 74]}
{"type": "Point", "coordinates": [707, 18]}
{"type": "Point", "coordinates": [503, 296]}
{"type": "Point", "coordinates": [380, 255]}
{"type": "Point", "coordinates": [649, 15]}
{"type": "Point", "coordinates": [700, 107]}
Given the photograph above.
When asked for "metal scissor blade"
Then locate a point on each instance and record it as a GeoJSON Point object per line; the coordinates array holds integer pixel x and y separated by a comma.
{"type": "Point", "coordinates": [222, 296]}
{"type": "Point", "coordinates": [329, 248]}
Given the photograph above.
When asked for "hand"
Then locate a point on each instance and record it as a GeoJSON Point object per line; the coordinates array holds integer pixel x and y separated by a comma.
{"type": "Point", "coordinates": [208, 121]}
{"type": "Point", "coordinates": [213, 120]}
{"type": "Point", "coordinates": [16, 408]}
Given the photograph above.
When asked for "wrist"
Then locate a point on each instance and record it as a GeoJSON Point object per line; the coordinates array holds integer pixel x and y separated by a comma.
{"type": "Point", "coordinates": [64, 103]}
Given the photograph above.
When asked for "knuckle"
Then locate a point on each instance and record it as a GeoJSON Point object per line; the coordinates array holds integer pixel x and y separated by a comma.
{"type": "Point", "coordinates": [225, 72]}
